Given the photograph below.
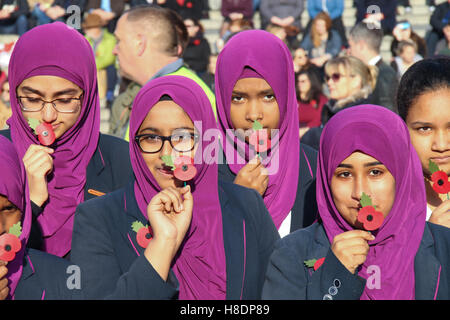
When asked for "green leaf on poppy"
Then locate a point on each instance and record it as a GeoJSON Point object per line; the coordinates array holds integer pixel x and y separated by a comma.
{"type": "Point", "coordinates": [310, 263]}
{"type": "Point", "coordinates": [168, 161]}
{"type": "Point", "coordinates": [257, 125]}
{"type": "Point", "coordinates": [33, 123]}
{"type": "Point", "coordinates": [433, 167]}
{"type": "Point", "coordinates": [16, 229]}
{"type": "Point", "coordinates": [136, 226]}
{"type": "Point", "coordinates": [365, 200]}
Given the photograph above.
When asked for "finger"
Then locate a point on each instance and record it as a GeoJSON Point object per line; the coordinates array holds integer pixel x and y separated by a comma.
{"type": "Point", "coordinates": [4, 293]}
{"type": "Point", "coordinates": [355, 234]}
{"type": "Point", "coordinates": [444, 207]}
{"type": "Point", "coordinates": [40, 168]}
{"type": "Point", "coordinates": [36, 148]}
{"type": "Point", "coordinates": [3, 271]}
{"type": "Point", "coordinates": [175, 197]}
{"type": "Point", "coordinates": [252, 164]}
{"type": "Point", "coordinates": [3, 283]}
{"type": "Point", "coordinates": [188, 199]}
{"type": "Point", "coordinates": [3, 263]}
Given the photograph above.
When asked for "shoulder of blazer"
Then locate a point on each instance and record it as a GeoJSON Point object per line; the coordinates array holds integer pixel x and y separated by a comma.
{"type": "Point", "coordinates": [6, 133]}
{"type": "Point", "coordinates": [308, 162]}
{"type": "Point", "coordinates": [238, 197]}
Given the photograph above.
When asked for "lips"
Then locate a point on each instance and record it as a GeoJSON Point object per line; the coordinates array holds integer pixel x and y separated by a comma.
{"type": "Point", "coordinates": [167, 171]}
{"type": "Point", "coordinates": [440, 160]}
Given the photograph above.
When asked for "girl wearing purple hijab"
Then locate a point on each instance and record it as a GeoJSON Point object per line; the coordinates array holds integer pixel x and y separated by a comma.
{"type": "Point", "coordinates": [159, 238]}
{"type": "Point", "coordinates": [57, 88]}
{"type": "Point", "coordinates": [365, 150]}
{"type": "Point", "coordinates": [28, 274]}
{"type": "Point", "coordinates": [255, 84]}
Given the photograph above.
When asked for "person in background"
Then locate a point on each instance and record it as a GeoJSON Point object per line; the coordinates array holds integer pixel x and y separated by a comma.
{"type": "Point", "coordinates": [406, 56]}
{"type": "Point", "coordinates": [310, 100]}
{"type": "Point", "coordinates": [438, 20]}
{"type": "Point", "coordinates": [424, 104]}
{"type": "Point", "coordinates": [108, 10]}
{"type": "Point", "coordinates": [196, 55]}
{"type": "Point", "coordinates": [335, 9]}
{"type": "Point", "coordinates": [187, 9]}
{"type": "Point", "coordinates": [234, 27]}
{"type": "Point", "coordinates": [403, 31]}
{"type": "Point", "coordinates": [443, 46]}
{"type": "Point", "coordinates": [209, 75]}
{"type": "Point", "coordinates": [5, 104]}
{"type": "Point", "coordinates": [13, 17]}
{"type": "Point", "coordinates": [322, 42]}
{"type": "Point", "coordinates": [378, 13]}
{"type": "Point", "coordinates": [365, 44]}
{"type": "Point", "coordinates": [60, 10]}
{"type": "Point", "coordinates": [232, 10]}
{"type": "Point", "coordinates": [103, 44]}
{"type": "Point", "coordinates": [302, 62]}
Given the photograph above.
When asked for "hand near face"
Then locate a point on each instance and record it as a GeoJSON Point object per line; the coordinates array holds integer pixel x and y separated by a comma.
{"type": "Point", "coordinates": [351, 248]}
{"type": "Point", "coordinates": [4, 290]}
{"type": "Point", "coordinates": [441, 214]}
{"type": "Point", "coordinates": [38, 164]}
{"type": "Point", "coordinates": [254, 176]}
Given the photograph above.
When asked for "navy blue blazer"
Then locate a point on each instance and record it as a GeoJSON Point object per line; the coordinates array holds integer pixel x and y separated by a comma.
{"type": "Point", "coordinates": [288, 278]}
{"type": "Point", "coordinates": [108, 170]}
{"type": "Point", "coordinates": [47, 277]}
{"type": "Point", "coordinates": [304, 212]}
{"type": "Point", "coordinates": [114, 266]}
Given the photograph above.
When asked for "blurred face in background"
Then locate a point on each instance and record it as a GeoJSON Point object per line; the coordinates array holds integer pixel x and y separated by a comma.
{"type": "Point", "coordinates": [408, 54]}
{"type": "Point", "coordinates": [321, 27]}
{"type": "Point", "coordinates": [341, 83]}
{"type": "Point", "coordinates": [191, 27]}
{"type": "Point", "coordinates": [304, 84]}
{"type": "Point", "coordinates": [5, 92]}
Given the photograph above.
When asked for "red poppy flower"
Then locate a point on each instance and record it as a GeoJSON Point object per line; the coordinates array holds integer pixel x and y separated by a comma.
{"type": "Point", "coordinates": [9, 246]}
{"type": "Point", "coordinates": [45, 134]}
{"type": "Point", "coordinates": [440, 182]}
{"type": "Point", "coordinates": [318, 263]}
{"type": "Point", "coordinates": [144, 233]}
{"type": "Point", "coordinates": [370, 218]}
{"type": "Point", "coordinates": [184, 168]}
{"type": "Point", "coordinates": [180, 2]}
{"type": "Point", "coordinates": [260, 141]}
{"type": "Point", "coordinates": [196, 42]}
{"type": "Point", "coordinates": [189, 5]}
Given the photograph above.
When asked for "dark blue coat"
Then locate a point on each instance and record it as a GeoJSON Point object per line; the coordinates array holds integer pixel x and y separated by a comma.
{"type": "Point", "coordinates": [113, 265]}
{"type": "Point", "coordinates": [304, 212]}
{"type": "Point", "coordinates": [46, 277]}
{"type": "Point", "coordinates": [288, 278]}
{"type": "Point", "coordinates": [109, 170]}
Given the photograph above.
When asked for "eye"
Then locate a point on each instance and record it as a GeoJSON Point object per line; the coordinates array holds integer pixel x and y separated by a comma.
{"type": "Point", "coordinates": [343, 174]}
{"type": "Point", "coordinates": [423, 129]}
{"type": "Point", "coordinates": [33, 100]}
{"type": "Point", "coordinates": [237, 99]}
{"type": "Point", "coordinates": [9, 209]}
{"type": "Point", "coordinates": [151, 138]}
{"type": "Point", "coordinates": [375, 172]}
{"type": "Point", "coordinates": [64, 100]}
{"type": "Point", "coordinates": [269, 97]}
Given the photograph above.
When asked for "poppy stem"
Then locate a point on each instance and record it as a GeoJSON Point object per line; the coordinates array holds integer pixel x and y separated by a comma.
{"type": "Point", "coordinates": [184, 184]}
{"type": "Point", "coordinates": [448, 198]}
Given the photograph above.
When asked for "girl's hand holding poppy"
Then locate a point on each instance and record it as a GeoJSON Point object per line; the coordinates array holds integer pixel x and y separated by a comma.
{"type": "Point", "coordinates": [38, 164]}
{"type": "Point", "coordinates": [441, 215]}
{"type": "Point", "coordinates": [4, 290]}
{"type": "Point", "coordinates": [169, 214]}
{"type": "Point", "coordinates": [351, 248]}
{"type": "Point", "coordinates": [254, 176]}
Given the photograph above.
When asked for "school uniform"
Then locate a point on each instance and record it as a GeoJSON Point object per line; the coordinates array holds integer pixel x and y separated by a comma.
{"type": "Point", "coordinates": [288, 278]}
{"type": "Point", "coordinates": [47, 277]}
{"type": "Point", "coordinates": [108, 170]}
{"type": "Point", "coordinates": [114, 266]}
{"type": "Point", "coordinates": [304, 211]}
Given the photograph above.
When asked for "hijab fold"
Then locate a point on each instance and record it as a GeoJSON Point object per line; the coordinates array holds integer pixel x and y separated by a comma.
{"type": "Point", "coordinates": [199, 265]}
{"type": "Point", "coordinates": [259, 54]}
{"type": "Point", "coordinates": [381, 134]}
{"type": "Point", "coordinates": [58, 50]}
{"type": "Point", "coordinates": [13, 187]}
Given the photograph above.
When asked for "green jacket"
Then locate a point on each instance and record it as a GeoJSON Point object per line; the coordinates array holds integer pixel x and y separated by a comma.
{"type": "Point", "coordinates": [103, 50]}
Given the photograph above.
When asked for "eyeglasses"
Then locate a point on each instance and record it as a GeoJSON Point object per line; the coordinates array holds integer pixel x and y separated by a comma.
{"type": "Point", "coordinates": [335, 77]}
{"type": "Point", "coordinates": [181, 141]}
{"type": "Point", "coordinates": [63, 105]}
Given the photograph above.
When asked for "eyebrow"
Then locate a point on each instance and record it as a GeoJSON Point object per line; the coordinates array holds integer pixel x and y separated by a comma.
{"type": "Point", "coordinates": [369, 164]}
{"type": "Point", "coordinates": [159, 131]}
{"type": "Point", "coordinates": [56, 94]}
{"type": "Point", "coordinates": [265, 92]}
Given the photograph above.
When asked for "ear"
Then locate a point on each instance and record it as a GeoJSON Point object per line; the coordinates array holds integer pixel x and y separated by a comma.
{"type": "Point", "coordinates": [141, 44]}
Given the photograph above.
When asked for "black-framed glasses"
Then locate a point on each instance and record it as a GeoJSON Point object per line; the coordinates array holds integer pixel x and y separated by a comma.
{"type": "Point", "coordinates": [181, 141]}
{"type": "Point", "coordinates": [63, 105]}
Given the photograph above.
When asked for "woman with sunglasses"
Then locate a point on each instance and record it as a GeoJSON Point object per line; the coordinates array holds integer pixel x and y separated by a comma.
{"type": "Point", "coordinates": [55, 130]}
{"type": "Point", "coordinates": [175, 232]}
{"type": "Point", "coordinates": [350, 83]}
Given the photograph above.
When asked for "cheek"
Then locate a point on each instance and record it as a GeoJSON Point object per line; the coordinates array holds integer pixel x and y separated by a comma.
{"type": "Point", "coordinates": [342, 193]}
{"type": "Point", "coordinates": [384, 194]}
{"type": "Point", "coordinates": [422, 145]}
{"type": "Point", "coordinates": [237, 115]}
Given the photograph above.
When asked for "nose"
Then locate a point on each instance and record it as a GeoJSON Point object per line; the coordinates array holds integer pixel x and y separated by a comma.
{"type": "Point", "coordinates": [441, 140]}
{"type": "Point", "coordinates": [49, 113]}
{"type": "Point", "coordinates": [166, 149]}
{"type": "Point", "coordinates": [254, 111]}
{"type": "Point", "coordinates": [359, 186]}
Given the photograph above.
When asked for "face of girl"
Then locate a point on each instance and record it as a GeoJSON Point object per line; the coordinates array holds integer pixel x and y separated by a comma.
{"type": "Point", "coordinates": [408, 54]}
{"type": "Point", "coordinates": [304, 85]}
{"type": "Point", "coordinates": [357, 174]}
{"type": "Point", "coordinates": [341, 83]}
{"type": "Point", "coordinates": [166, 118]}
{"type": "Point", "coordinates": [9, 214]}
{"type": "Point", "coordinates": [300, 57]}
{"type": "Point", "coordinates": [428, 122]}
{"type": "Point", "coordinates": [321, 26]}
{"type": "Point", "coordinates": [49, 88]}
{"type": "Point", "coordinates": [253, 99]}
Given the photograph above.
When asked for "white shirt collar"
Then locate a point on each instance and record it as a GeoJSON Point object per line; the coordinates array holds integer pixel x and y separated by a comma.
{"type": "Point", "coordinates": [374, 60]}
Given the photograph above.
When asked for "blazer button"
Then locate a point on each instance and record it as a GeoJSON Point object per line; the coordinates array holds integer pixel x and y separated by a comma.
{"type": "Point", "coordinates": [333, 291]}
{"type": "Point", "coordinates": [327, 297]}
{"type": "Point", "coordinates": [337, 283]}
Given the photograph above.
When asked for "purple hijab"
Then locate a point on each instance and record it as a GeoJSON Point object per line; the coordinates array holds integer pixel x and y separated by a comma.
{"type": "Point", "coordinates": [13, 187]}
{"type": "Point", "coordinates": [257, 53]}
{"type": "Point", "coordinates": [58, 50]}
{"type": "Point", "coordinates": [200, 263]}
{"type": "Point", "coordinates": [383, 135]}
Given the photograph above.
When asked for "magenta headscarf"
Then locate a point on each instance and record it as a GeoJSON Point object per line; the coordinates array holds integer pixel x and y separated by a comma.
{"type": "Point", "coordinates": [200, 263]}
{"type": "Point", "coordinates": [58, 50]}
{"type": "Point", "coordinates": [13, 187]}
{"type": "Point", "coordinates": [383, 135]}
{"type": "Point", "coordinates": [257, 53]}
